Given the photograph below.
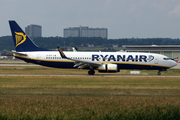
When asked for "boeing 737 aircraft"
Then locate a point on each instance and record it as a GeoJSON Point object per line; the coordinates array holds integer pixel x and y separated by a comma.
{"type": "Point", "coordinates": [105, 62]}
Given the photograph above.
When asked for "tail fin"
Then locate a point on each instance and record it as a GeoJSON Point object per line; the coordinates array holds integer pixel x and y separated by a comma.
{"type": "Point", "coordinates": [22, 42]}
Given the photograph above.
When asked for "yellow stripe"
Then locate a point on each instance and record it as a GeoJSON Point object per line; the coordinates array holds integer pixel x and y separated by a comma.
{"type": "Point", "coordinates": [112, 69]}
{"type": "Point", "coordinates": [98, 62]}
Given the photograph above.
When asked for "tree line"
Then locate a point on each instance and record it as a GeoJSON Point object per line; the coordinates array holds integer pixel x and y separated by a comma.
{"type": "Point", "coordinates": [6, 42]}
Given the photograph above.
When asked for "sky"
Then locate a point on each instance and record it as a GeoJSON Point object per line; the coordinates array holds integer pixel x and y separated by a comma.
{"type": "Point", "coordinates": [123, 18]}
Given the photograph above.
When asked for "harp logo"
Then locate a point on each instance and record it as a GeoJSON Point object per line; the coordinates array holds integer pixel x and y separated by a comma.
{"type": "Point", "coordinates": [20, 38]}
{"type": "Point", "coordinates": [151, 58]}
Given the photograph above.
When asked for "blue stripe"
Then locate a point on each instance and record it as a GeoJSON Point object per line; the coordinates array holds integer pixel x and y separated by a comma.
{"type": "Point", "coordinates": [134, 66]}
{"type": "Point", "coordinates": [49, 63]}
{"type": "Point", "coordinates": [109, 71]}
{"type": "Point", "coordinates": [63, 64]}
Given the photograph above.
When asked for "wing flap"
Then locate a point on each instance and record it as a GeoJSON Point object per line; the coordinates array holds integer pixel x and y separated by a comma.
{"type": "Point", "coordinates": [81, 63]}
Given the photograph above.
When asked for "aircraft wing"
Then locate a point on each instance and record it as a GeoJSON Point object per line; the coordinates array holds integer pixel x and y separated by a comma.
{"type": "Point", "coordinates": [16, 53]}
{"type": "Point", "coordinates": [81, 63]}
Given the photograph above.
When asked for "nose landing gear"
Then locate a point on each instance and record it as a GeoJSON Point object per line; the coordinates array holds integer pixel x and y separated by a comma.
{"type": "Point", "coordinates": [159, 72]}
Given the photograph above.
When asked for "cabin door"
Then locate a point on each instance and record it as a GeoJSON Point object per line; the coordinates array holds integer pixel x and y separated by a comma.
{"type": "Point", "coordinates": [38, 58]}
{"type": "Point", "coordinates": [156, 60]}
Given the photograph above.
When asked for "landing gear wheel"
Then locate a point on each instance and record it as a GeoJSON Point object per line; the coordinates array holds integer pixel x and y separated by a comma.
{"type": "Point", "coordinates": [159, 73]}
{"type": "Point", "coordinates": [91, 72]}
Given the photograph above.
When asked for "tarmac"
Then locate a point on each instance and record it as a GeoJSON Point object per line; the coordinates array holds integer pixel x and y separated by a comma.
{"type": "Point", "coordinates": [68, 75]}
{"type": "Point", "coordinates": [22, 63]}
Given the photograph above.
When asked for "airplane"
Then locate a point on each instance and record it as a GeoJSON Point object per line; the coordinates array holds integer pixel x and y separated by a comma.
{"type": "Point", "coordinates": [104, 62]}
{"type": "Point", "coordinates": [3, 57]}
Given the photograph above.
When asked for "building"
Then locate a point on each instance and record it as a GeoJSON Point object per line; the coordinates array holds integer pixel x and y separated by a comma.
{"type": "Point", "coordinates": [72, 32]}
{"type": "Point", "coordinates": [84, 31]}
{"type": "Point", "coordinates": [172, 51]}
{"type": "Point", "coordinates": [33, 31]}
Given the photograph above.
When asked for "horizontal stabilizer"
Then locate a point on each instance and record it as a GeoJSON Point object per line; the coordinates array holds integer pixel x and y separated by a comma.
{"type": "Point", "coordinates": [16, 53]}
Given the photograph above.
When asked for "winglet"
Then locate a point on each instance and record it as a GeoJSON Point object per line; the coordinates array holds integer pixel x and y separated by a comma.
{"type": "Point", "coordinates": [61, 53]}
{"type": "Point", "coordinates": [74, 50]}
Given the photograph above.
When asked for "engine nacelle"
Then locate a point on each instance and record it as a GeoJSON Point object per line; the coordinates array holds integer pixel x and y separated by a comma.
{"type": "Point", "coordinates": [108, 68]}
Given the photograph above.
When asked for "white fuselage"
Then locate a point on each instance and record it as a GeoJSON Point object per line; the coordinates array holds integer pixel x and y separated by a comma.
{"type": "Point", "coordinates": [132, 60]}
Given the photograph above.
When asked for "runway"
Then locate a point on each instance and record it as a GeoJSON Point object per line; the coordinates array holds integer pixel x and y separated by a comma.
{"type": "Point", "coordinates": [14, 63]}
{"type": "Point", "coordinates": [42, 75]}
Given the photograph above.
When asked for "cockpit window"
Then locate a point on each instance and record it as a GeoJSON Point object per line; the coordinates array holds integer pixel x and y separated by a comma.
{"type": "Point", "coordinates": [167, 58]}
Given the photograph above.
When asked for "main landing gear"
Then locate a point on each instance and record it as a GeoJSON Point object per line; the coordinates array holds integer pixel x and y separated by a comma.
{"type": "Point", "coordinates": [159, 73]}
{"type": "Point", "coordinates": [91, 72]}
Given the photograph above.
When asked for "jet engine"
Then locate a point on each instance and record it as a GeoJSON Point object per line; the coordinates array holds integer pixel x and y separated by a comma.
{"type": "Point", "coordinates": [108, 68]}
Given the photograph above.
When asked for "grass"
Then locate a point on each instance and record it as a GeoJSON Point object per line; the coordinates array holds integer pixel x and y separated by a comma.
{"type": "Point", "coordinates": [89, 86]}
{"type": "Point", "coordinates": [89, 108]}
{"type": "Point", "coordinates": [87, 97]}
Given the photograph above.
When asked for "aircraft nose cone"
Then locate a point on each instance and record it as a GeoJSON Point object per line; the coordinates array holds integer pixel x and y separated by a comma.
{"type": "Point", "coordinates": [173, 63]}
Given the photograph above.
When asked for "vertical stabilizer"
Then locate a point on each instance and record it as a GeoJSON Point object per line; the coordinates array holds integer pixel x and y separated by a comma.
{"type": "Point", "coordinates": [22, 42]}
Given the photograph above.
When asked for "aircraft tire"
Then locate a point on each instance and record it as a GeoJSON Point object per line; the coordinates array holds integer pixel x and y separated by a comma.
{"type": "Point", "coordinates": [159, 73]}
{"type": "Point", "coordinates": [91, 72]}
